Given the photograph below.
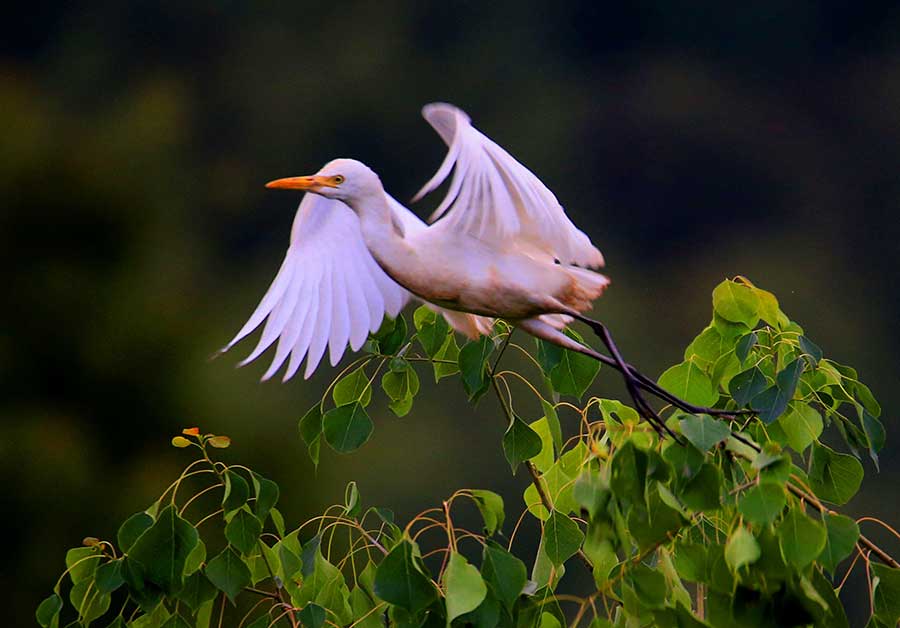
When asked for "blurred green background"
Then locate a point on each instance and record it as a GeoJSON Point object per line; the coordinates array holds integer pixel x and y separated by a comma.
{"type": "Point", "coordinates": [692, 141]}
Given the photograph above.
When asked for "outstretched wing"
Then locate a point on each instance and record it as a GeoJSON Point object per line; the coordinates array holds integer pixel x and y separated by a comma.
{"type": "Point", "coordinates": [331, 292]}
{"type": "Point", "coordinates": [494, 197]}
{"type": "Point", "coordinates": [328, 291]}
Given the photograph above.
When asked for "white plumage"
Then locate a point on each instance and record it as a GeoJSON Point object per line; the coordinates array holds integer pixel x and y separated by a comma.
{"type": "Point", "coordinates": [503, 247]}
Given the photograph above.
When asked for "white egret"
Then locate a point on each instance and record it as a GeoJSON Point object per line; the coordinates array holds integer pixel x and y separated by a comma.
{"type": "Point", "coordinates": [503, 248]}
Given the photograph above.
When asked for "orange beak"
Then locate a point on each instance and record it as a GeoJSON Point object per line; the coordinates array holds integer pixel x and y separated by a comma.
{"type": "Point", "coordinates": [310, 184]}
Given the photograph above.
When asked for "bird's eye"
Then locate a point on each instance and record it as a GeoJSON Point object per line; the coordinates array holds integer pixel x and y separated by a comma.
{"type": "Point", "coordinates": [338, 179]}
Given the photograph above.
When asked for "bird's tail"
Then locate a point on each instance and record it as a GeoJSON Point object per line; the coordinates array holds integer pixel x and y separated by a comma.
{"type": "Point", "coordinates": [587, 286]}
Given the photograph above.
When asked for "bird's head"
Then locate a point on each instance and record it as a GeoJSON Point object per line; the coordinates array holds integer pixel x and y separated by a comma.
{"type": "Point", "coordinates": [346, 180]}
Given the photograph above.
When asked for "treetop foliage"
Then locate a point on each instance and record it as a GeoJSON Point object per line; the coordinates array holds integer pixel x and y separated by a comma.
{"type": "Point", "coordinates": [735, 526]}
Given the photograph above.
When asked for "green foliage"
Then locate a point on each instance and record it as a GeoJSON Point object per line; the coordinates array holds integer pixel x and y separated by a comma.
{"type": "Point", "coordinates": [520, 443]}
{"type": "Point", "coordinates": [464, 588]}
{"type": "Point", "coordinates": [731, 520]}
{"type": "Point", "coordinates": [569, 373]}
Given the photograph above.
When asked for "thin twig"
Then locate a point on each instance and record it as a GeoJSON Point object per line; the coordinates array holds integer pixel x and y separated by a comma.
{"type": "Point", "coordinates": [532, 470]}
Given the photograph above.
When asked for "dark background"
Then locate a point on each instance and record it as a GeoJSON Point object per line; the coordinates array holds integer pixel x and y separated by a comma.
{"type": "Point", "coordinates": [692, 141]}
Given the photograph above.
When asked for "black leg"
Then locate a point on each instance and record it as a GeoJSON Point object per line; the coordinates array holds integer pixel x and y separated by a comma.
{"type": "Point", "coordinates": [632, 382]}
{"type": "Point", "coordinates": [641, 380]}
{"type": "Point", "coordinates": [650, 386]}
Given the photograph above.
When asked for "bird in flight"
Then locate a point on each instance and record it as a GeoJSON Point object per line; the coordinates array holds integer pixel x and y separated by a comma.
{"type": "Point", "coordinates": [499, 246]}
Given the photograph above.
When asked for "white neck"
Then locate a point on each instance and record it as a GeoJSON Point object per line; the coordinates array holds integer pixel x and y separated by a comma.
{"type": "Point", "coordinates": [381, 234]}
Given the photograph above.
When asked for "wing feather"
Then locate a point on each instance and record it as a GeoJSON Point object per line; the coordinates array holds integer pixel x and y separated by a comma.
{"type": "Point", "coordinates": [358, 310]}
{"type": "Point", "coordinates": [307, 327]}
{"type": "Point", "coordinates": [329, 292]}
{"type": "Point", "coordinates": [340, 314]}
{"type": "Point", "coordinates": [291, 329]}
{"type": "Point", "coordinates": [321, 324]}
{"type": "Point", "coordinates": [494, 197]}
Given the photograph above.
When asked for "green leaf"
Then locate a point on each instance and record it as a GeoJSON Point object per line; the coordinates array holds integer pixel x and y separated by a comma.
{"type": "Point", "coordinates": [706, 348]}
{"type": "Point", "coordinates": [746, 385]}
{"type": "Point", "coordinates": [802, 425]}
{"type": "Point", "coordinates": [163, 549]}
{"type": "Point", "coordinates": [464, 588]}
{"type": "Point", "coordinates": [391, 336]}
{"type": "Point", "coordinates": [703, 431]}
{"type": "Point", "coordinates": [146, 594]}
{"type": "Point", "coordinates": [432, 330]}
{"type": "Point", "coordinates": [323, 583]}
{"type": "Point", "coordinates": [730, 331]}
{"type": "Point", "coordinates": [703, 491]}
{"type": "Point", "coordinates": [228, 573]}
{"type": "Point", "coordinates": [82, 562]}
{"type": "Point", "coordinates": [401, 385]}
{"type": "Point", "coordinates": [690, 560]}
{"type": "Point", "coordinates": [312, 616]}
{"type": "Point", "coordinates": [548, 355]}
{"type": "Point", "coordinates": [544, 574]}
{"type": "Point", "coordinates": [520, 443]}
{"type": "Point", "coordinates": [769, 310]}
{"type": "Point", "coordinates": [562, 537]}
{"type": "Point", "coordinates": [688, 382]}
{"type": "Point", "coordinates": [545, 459]}
{"type": "Point", "coordinates": [505, 573]}
{"type": "Point", "coordinates": [310, 427]}
{"type": "Point", "coordinates": [553, 424]}
{"type": "Point", "coordinates": [195, 559]}
{"type": "Point", "coordinates": [108, 576]}
{"type": "Point", "coordinates": [219, 442]}
{"type": "Point", "coordinates": [347, 428]}
{"type": "Point", "coordinates": [47, 613]}
{"type": "Point", "coordinates": [574, 372]}
{"type": "Point", "coordinates": [557, 482]}
{"type": "Point", "coordinates": [363, 606]}
{"type": "Point", "coordinates": [591, 492]}
{"type": "Point", "coordinates": [886, 593]}
{"type": "Point", "coordinates": [352, 505]}
{"type": "Point", "coordinates": [874, 432]}
{"type": "Point", "coordinates": [197, 590]}
{"type": "Point", "coordinates": [548, 620]}
{"type": "Point", "coordinates": [176, 621]}
{"type": "Point", "coordinates": [810, 349]}
{"type": "Point", "coordinates": [448, 355]}
{"type": "Point", "coordinates": [772, 402]}
{"type": "Point", "coordinates": [353, 387]}
{"type": "Point", "coordinates": [865, 397]}
{"type": "Point", "coordinates": [487, 615]}
{"type": "Point", "coordinates": [762, 504]}
{"type": "Point", "coordinates": [645, 587]}
{"type": "Point", "coordinates": [744, 345]}
{"type": "Point", "coordinates": [741, 548]}
{"type": "Point", "coordinates": [651, 524]}
{"type": "Point", "coordinates": [237, 491]}
{"type": "Point", "coordinates": [842, 535]}
{"type": "Point", "coordinates": [132, 528]}
{"type": "Point", "coordinates": [473, 365]}
{"type": "Point", "coordinates": [628, 472]}
{"type": "Point", "coordinates": [87, 602]}
{"type": "Point", "coordinates": [801, 538]}
{"type": "Point", "coordinates": [834, 477]}
{"type": "Point", "coordinates": [154, 618]}
{"type": "Point", "coordinates": [267, 493]}
{"type": "Point", "coordinates": [736, 303]}
{"type": "Point", "coordinates": [491, 507]}
{"type": "Point", "coordinates": [400, 581]}
{"type": "Point", "coordinates": [243, 531]}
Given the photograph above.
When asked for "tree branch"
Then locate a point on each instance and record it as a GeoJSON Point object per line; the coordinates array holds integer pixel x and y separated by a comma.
{"type": "Point", "coordinates": [532, 470]}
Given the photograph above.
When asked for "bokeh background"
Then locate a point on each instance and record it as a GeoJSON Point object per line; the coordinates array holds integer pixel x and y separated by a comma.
{"type": "Point", "coordinates": [693, 141]}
